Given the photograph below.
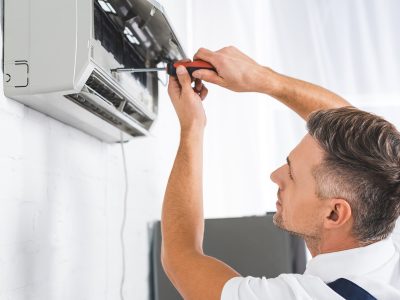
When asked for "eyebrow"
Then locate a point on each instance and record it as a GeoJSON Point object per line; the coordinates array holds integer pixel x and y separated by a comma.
{"type": "Point", "coordinates": [290, 166]}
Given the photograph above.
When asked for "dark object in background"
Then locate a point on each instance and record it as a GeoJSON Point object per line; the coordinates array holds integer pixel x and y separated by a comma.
{"type": "Point", "coordinates": [253, 246]}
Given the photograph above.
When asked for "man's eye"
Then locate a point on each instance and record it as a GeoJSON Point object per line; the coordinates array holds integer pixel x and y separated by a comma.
{"type": "Point", "coordinates": [290, 175]}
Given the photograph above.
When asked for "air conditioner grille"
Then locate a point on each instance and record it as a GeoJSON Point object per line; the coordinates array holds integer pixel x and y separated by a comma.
{"type": "Point", "coordinates": [97, 85]}
{"type": "Point", "coordinates": [104, 114]}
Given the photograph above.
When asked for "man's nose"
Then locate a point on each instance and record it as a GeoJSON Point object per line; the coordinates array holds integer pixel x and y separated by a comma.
{"type": "Point", "coordinates": [275, 176]}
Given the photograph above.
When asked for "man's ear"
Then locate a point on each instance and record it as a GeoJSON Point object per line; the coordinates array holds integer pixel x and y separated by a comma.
{"type": "Point", "coordinates": [338, 213]}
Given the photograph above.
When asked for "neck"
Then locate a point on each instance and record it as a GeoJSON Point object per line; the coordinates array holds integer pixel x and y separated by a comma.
{"type": "Point", "coordinates": [332, 243]}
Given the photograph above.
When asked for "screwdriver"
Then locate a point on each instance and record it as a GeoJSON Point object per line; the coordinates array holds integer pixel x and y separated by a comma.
{"type": "Point", "coordinates": [191, 66]}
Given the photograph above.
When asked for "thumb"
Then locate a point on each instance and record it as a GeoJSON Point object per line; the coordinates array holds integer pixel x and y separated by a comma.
{"type": "Point", "coordinates": [184, 79]}
{"type": "Point", "coordinates": [208, 75]}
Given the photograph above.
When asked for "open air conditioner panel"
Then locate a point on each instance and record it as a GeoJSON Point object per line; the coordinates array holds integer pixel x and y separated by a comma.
{"type": "Point", "coordinates": [109, 31]}
{"type": "Point", "coordinates": [137, 33]}
{"type": "Point", "coordinates": [88, 38]}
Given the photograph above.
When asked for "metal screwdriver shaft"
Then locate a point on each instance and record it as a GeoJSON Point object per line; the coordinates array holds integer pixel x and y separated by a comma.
{"type": "Point", "coordinates": [139, 70]}
{"type": "Point", "coordinates": [170, 68]}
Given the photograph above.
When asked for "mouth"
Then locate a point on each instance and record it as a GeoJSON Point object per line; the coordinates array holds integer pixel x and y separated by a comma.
{"type": "Point", "coordinates": [279, 202]}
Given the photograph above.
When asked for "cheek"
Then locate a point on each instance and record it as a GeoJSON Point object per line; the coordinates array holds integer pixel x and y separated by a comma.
{"type": "Point", "coordinates": [291, 213]}
{"type": "Point", "coordinates": [299, 212]}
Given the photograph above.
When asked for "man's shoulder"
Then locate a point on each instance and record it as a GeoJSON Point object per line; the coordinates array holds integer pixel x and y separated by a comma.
{"type": "Point", "coordinates": [285, 286]}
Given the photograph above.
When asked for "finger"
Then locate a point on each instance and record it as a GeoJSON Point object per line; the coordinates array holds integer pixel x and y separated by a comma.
{"type": "Point", "coordinates": [206, 55]}
{"type": "Point", "coordinates": [173, 85]}
{"type": "Point", "coordinates": [184, 60]}
{"type": "Point", "coordinates": [203, 93]}
{"type": "Point", "coordinates": [184, 79]}
{"type": "Point", "coordinates": [198, 85]}
{"type": "Point", "coordinates": [209, 76]}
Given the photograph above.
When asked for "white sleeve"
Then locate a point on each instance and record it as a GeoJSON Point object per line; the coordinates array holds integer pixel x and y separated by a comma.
{"type": "Point", "coordinates": [251, 288]}
{"type": "Point", "coordinates": [285, 286]}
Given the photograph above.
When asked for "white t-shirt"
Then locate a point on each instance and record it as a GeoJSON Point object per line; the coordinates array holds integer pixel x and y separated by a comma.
{"type": "Point", "coordinates": [375, 268]}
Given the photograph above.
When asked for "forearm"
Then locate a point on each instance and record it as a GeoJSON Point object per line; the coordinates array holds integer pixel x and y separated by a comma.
{"type": "Point", "coordinates": [182, 215]}
{"type": "Point", "coordinates": [300, 96]}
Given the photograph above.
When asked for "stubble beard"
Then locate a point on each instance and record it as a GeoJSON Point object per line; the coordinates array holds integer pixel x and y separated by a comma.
{"type": "Point", "coordinates": [278, 222]}
{"type": "Point", "coordinates": [308, 238]}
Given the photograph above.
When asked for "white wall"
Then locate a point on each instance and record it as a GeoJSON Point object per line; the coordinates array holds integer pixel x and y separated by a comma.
{"type": "Point", "coordinates": [61, 202]}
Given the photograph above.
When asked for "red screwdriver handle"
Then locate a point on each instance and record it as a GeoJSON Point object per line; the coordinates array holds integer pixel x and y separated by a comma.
{"type": "Point", "coordinates": [190, 66]}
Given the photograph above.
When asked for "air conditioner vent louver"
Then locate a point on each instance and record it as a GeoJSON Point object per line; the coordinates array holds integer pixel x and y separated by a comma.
{"type": "Point", "coordinates": [104, 91]}
{"type": "Point", "coordinates": [124, 125]}
{"type": "Point", "coordinates": [125, 104]}
{"type": "Point", "coordinates": [85, 102]}
{"type": "Point", "coordinates": [101, 98]}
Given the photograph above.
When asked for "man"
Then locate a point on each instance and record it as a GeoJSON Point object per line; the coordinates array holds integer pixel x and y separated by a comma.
{"type": "Point", "coordinates": [340, 190]}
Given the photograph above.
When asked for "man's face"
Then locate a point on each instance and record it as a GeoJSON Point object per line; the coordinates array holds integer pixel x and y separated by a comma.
{"type": "Point", "coordinates": [299, 210]}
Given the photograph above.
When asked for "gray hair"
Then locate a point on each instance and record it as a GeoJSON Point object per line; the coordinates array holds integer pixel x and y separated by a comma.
{"type": "Point", "coordinates": [361, 165]}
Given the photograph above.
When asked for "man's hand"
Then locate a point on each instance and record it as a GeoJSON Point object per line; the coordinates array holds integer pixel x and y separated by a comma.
{"type": "Point", "coordinates": [187, 100]}
{"type": "Point", "coordinates": [236, 71]}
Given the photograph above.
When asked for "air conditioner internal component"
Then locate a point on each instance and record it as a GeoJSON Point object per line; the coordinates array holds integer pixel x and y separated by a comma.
{"type": "Point", "coordinates": [58, 57]}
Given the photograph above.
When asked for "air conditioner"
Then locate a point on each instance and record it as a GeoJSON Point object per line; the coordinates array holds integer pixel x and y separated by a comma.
{"type": "Point", "coordinates": [58, 57]}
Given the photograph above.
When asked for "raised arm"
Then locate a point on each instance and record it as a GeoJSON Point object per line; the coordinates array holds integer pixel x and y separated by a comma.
{"type": "Point", "coordinates": [193, 273]}
{"type": "Point", "coordinates": [240, 73]}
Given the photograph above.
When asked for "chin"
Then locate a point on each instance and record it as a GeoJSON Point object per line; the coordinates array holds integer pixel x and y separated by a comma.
{"type": "Point", "coordinates": [278, 220]}
{"type": "Point", "coordinates": [280, 223]}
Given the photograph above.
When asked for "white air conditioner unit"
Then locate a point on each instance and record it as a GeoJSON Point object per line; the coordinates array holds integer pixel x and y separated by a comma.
{"type": "Point", "coordinates": [58, 56]}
